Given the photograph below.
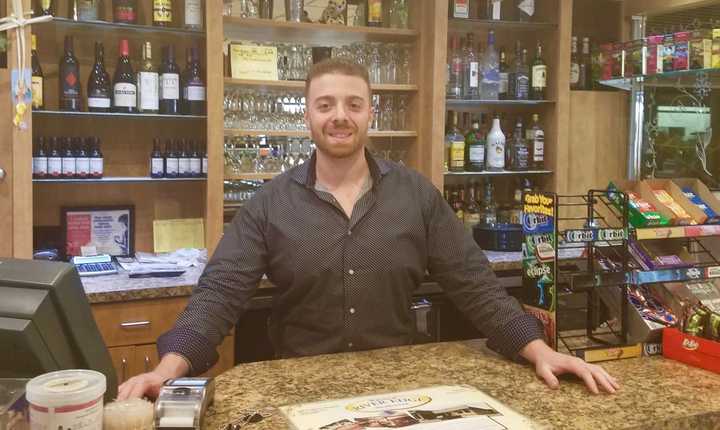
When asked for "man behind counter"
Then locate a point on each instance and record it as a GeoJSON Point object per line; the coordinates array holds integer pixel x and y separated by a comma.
{"type": "Point", "coordinates": [347, 238]}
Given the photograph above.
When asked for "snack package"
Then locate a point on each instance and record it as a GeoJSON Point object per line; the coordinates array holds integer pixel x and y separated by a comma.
{"type": "Point", "coordinates": [644, 214]}
{"type": "Point", "coordinates": [712, 217]}
{"type": "Point", "coordinates": [681, 215]}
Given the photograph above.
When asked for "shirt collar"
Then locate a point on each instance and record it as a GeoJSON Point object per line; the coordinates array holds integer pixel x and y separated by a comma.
{"type": "Point", "coordinates": [305, 173]}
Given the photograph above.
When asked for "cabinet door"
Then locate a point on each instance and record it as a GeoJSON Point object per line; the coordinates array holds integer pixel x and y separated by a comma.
{"type": "Point", "coordinates": [146, 358]}
{"type": "Point", "coordinates": [123, 358]}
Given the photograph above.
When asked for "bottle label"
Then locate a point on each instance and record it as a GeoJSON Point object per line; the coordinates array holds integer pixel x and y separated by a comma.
{"type": "Point", "coordinates": [521, 159]}
{"type": "Point", "coordinates": [504, 78]}
{"type": "Point", "coordinates": [204, 165]}
{"type": "Point", "coordinates": [170, 86]}
{"type": "Point", "coordinates": [193, 10]}
{"type": "Point", "coordinates": [71, 84]}
{"type": "Point", "coordinates": [99, 102]}
{"type": "Point", "coordinates": [125, 94]}
{"type": "Point", "coordinates": [476, 155]}
{"type": "Point", "coordinates": [574, 73]}
{"type": "Point", "coordinates": [471, 219]}
{"type": "Point", "coordinates": [171, 166]}
{"type": "Point", "coordinates": [457, 155]}
{"type": "Point", "coordinates": [68, 166]}
{"type": "Point", "coordinates": [496, 9]}
{"type": "Point", "coordinates": [54, 166]}
{"type": "Point", "coordinates": [474, 74]}
{"type": "Point", "coordinates": [195, 166]}
{"type": "Point", "coordinates": [162, 11]}
{"type": "Point", "coordinates": [539, 76]}
{"type": "Point", "coordinates": [461, 9]}
{"type": "Point", "coordinates": [87, 10]}
{"type": "Point", "coordinates": [183, 166]}
{"type": "Point", "coordinates": [539, 147]}
{"type": "Point", "coordinates": [491, 76]}
{"type": "Point", "coordinates": [82, 165]}
{"type": "Point", "coordinates": [37, 91]}
{"type": "Point", "coordinates": [496, 154]}
{"type": "Point", "coordinates": [40, 166]}
{"type": "Point", "coordinates": [45, 4]}
{"type": "Point", "coordinates": [193, 93]}
{"type": "Point", "coordinates": [374, 11]}
{"type": "Point", "coordinates": [156, 166]}
{"type": "Point", "coordinates": [522, 87]}
{"type": "Point", "coordinates": [527, 6]}
{"type": "Point", "coordinates": [148, 90]}
{"type": "Point", "coordinates": [124, 13]}
{"type": "Point", "coordinates": [96, 166]}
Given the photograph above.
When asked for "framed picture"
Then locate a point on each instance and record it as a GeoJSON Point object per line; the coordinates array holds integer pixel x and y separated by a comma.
{"type": "Point", "coordinates": [110, 229]}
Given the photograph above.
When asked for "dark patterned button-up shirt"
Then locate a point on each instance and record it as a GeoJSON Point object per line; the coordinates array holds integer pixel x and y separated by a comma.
{"type": "Point", "coordinates": [344, 283]}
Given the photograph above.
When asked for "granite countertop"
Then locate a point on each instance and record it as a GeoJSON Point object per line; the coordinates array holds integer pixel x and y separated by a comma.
{"type": "Point", "coordinates": [656, 393]}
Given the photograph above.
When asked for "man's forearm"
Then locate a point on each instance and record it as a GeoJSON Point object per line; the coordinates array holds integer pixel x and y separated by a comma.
{"type": "Point", "coordinates": [535, 349]}
{"type": "Point", "coordinates": [173, 366]}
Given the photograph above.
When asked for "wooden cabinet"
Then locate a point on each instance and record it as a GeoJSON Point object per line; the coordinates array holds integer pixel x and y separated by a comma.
{"type": "Point", "coordinates": [130, 330]}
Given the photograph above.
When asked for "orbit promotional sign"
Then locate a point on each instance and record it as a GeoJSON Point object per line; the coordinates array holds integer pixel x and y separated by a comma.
{"type": "Point", "coordinates": [538, 251]}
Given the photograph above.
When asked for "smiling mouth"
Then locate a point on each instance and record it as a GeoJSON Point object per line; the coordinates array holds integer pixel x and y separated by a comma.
{"type": "Point", "coordinates": [340, 134]}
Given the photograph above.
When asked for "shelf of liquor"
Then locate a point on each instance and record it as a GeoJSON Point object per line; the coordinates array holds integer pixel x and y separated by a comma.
{"type": "Point", "coordinates": [300, 85]}
{"type": "Point", "coordinates": [110, 115]}
{"type": "Point", "coordinates": [94, 27]}
{"type": "Point", "coordinates": [474, 24]}
{"type": "Point", "coordinates": [114, 179]}
{"type": "Point", "coordinates": [490, 173]}
{"type": "Point", "coordinates": [457, 104]}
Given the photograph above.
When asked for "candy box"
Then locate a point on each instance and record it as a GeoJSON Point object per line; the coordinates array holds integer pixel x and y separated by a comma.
{"type": "Point", "coordinates": [706, 200]}
{"type": "Point", "coordinates": [654, 55]}
{"type": "Point", "coordinates": [642, 205]}
{"type": "Point", "coordinates": [701, 49]}
{"type": "Point", "coordinates": [672, 203]}
{"type": "Point", "coordinates": [668, 53]}
{"type": "Point", "coordinates": [692, 350]}
{"type": "Point", "coordinates": [682, 50]}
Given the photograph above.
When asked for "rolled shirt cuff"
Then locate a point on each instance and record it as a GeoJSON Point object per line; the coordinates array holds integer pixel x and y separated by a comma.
{"type": "Point", "coordinates": [200, 354]}
{"type": "Point", "coordinates": [514, 335]}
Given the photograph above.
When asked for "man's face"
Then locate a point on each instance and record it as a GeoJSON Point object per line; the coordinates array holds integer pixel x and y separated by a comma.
{"type": "Point", "coordinates": [338, 114]}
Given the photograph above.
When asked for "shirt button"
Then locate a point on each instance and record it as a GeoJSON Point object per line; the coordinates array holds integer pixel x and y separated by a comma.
{"type": "Point", "coordinates": [351, 310]}
{"type": "Point", "coordinates": [349, 232]}
{"type": "Point", "coordinates": [350, 345]}
{"type": "Point", "coordinates": [351, 272]}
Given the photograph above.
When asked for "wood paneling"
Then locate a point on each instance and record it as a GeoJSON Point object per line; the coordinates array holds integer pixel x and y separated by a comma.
{"type": "Point", "coordinates": [6, 156]}
{"type": "Point", "coordinates": [557, 156]}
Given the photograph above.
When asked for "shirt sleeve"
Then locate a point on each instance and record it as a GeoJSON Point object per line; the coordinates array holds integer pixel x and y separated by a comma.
{"type": "Point", "coordinates": [462, 270]}
{"type": "Point", "coordinates": [223, 291]}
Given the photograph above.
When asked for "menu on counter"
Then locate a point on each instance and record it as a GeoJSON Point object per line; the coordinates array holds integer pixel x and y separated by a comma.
{"type": "Point", "coordinates": [446, 407]}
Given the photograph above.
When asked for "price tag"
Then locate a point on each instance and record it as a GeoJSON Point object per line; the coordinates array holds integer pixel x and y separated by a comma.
{"type": "Point", "coordinates": [254, 62]}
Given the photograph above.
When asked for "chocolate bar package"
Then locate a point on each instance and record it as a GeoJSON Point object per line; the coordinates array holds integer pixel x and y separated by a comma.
{"type": "Point", "coordinates": [641, 213]}
{"type": "Point", "coordinates": [681, 215]}
{"type": "Point", "coordinates": [712, 217]}
{"type": "Point", "coordinates": [654, 55]}
{"type": "Point", "coordinates": [668, 53]}
{"type": "Point", "coordinates": [682, 49]}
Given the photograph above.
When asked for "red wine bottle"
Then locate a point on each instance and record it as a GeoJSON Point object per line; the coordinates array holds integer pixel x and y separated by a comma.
{"type": "Point", "coordinates": [169, 83]}
{"type": "Point", "coordinates": [99, 83]}
{"type": "Point", "coordinates": [124, 84]}
{"type": "Point", "coordinates": [69, 88]}
{"type": "Point", "coordinates": [54, 160]}
{"type": "Point", "coordinates": [193, 85]}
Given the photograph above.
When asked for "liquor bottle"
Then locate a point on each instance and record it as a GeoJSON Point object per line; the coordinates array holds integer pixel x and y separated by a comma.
{"type": "Point", "coordinates": [183, 159]}
{"type": "Point", "coordinates": [195, 160]}
{"type": "Point", "coordinates": [455, 142]}
{"type": "Point", "coordinates": [475, 148]}
{"type": "Point", "coordinates": [512, 74]}
{"type": "Point", "coordinates": [522, 77]}
{"type": "Point", "coordinates": [69, 73]}
{"type": "Point", "coordinates": [82, 160]}
{"type": "Point", "coordinates": [504, 76]}
{"type": "Point", "coordinates": [488, 215]}
{"type": "Point", "coordinates": [538, 76]}
{"type": "Point", "coordinates": [193, 87]}
{"type": "Point", "coordinates": [54, 160]}
{"type": "Point", "coordinates": [574, 66]}
{"type": "Point", "coordinates": [193, 14]}
{"type": "Point", "coordinates": [40, 160]}
{"type": "Point", "coordinates": [162, 13]}
{"type": "Point", "coordinates": [516, 208]}
{"type": "Point", "coordinates": [525, 9]}
{"type": "Point", "coordinates": [471, 214]}
{"type": "Point", "coordinates": [124, 84]}
{"type": "Point", "coordinates": [458, 204]}
{"type": "Point", "coordinates": [536, 138]}
{"type": "Point", "coordinates": [490, 82]}
{"type": "Point", "coordinates": [171, 161]}
{"type": "Point", "coordinates": [97, 162]}
{"type": "Point", "coordinates": [99, 91]}
{"type": "Point", "coordinates": [585, 66]}
{"type": "Point", "coordinates": [520, 151]}
{"type": "Point", "coordinates": [455, 82]}
{"type": "Point", "coordinates": [493, 10]}
{"type": "Point", "coordinates": [204, 161]}
{"type": "Point", "coordinates": [495, 152]}
{"type": "Point", "coordinates": [148, 83]}
{"type": "Point", "coordinates": [38, 79]}
{"type": "Point", "coordinates": [471, 79]}
{"type": "Point", "coordinates": [459, 9]}
{"type": "Point", "coordinates": [46, 7]}
{"type": "Point", "coordinates": [157, 162]}
{"type": "Point", "coordinates": [87, 10]}
{"type": "Point", "coordinates": [375, 13]}
{"type": "Point", "coordinates": [124, 11]}
{"type": "Point", "coordinates": [169, 83]}
{"type": "Point", "coordinates": [68, 159]}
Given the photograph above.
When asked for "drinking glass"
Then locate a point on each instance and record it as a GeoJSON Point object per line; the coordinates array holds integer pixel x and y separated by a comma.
{"type": "Point", "coordinates": [400, 114]}
{"type": "Point", "coordinates": [386, 115]}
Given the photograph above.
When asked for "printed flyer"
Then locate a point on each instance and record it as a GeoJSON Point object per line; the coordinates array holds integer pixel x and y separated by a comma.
{"type": "Point", "coordinates": [448, 407]}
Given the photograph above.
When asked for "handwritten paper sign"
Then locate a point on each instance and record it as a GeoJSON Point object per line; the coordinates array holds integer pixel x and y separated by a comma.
{"type": "Point", "coordinates": [253, 62]}
{"type": "Point", "coordinates": [169, 235]}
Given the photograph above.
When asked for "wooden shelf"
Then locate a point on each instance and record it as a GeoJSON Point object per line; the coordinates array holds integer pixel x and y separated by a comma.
{"type": "Point", "coordinates": [237, 28]}
{"type": "Point", "coordinates": [71, 114]}
{"type": "Point", "coordinates": [305, 133]}
{"type": "Point", "coordinates": [501, 173]}
{"type": "Point", "coordinates": [251, 176]}
{"type": "Point", "coordinates": [459, 25]}
{"type": "Point", "coordinates": [461, 103]}
{"type": "Point", "coordinates": [93, 27]}
{"type": "Point", "coordinates": [115, 180]}
{"type": "Point", "coordinates": [301, 85]}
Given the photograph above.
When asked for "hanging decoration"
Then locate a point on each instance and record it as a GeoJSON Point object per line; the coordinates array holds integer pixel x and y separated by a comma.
{"type": "Point", "coordinates": [21, 90]}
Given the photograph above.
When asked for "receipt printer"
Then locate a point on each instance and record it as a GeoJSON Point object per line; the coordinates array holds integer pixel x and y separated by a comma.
{"type": "Point", "coordinates": [182, 403]}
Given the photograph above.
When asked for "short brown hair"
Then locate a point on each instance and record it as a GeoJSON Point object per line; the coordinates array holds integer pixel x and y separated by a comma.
{"type": "Point", "coordinates": [336, 65]}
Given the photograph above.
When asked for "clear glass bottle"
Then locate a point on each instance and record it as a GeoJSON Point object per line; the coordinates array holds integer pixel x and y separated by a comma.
{"type": "Point", "coordinates": [520, 151]}
{"type": "Point", "coordinates": [488, 215]}
{"type": "Point", "coordinates": [490, 83]}
{"type": "Point", "coordinates": [471, 81]}
{"type": "Point", "coordinates": [536, 138]}
{"type": "Point", "coordinates": [471, 215]}
{"type": "Point", "coordinates": [148, 83]}
{"type": "Point", "coordinates": [193, 14]}
{"type": "Point", "coordinates": [399, 14]}
{"type": "Point", "coordinates": [574, 65]}
{"type": "Point", "coordinates": [455, 77]}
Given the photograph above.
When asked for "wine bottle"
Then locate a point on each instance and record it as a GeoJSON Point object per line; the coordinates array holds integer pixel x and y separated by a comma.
{"type": "Point", "coordinates": [82, 160]}
{"type": "Point", "coordinates": [124, 84]}
{"type": "Point", "coordinates": [69, 82]}
{"type": "Point", "coordinates": [195, 161]}
{"type": "Point", "coordinates": [169, 83]}
{"type": "Point", "coordinates": [148, 82]}
{"type": "Point", "coordinates": [538, 76]}
{"type": "Point", "coordinates": [193, 86]}
{"type": "Point", "coordinates": [183, 159]}
{"type": "Point", "coordinates": [40, 159]}
{"type": "Point", "coordinates": [38, 79]}
{"type": "Point", "coordinates": [97, 163]}
{"type": "Point", "coordinates": [193, 14]}
{"type": "Point", "coordinates": [171, 161]}
{"type": "Point", "coordinates": [54, 160]}
{"type": "Point", "coordinates": [68, 159]}
{"type": "Point", "coordinates": [99, 83]}
{"type": "Point", "coordinates": [162, 12]}
{"type": "Point", "coordinates": [124, 11]}
{"type": "Point", "coordinates": [204, 160]}
{"type": "Point", "coordinates": [157, 163]}
{"type": "Point", "coordinates": [45, 7]}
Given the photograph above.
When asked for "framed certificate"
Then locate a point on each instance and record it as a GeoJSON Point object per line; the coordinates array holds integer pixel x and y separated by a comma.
{"type": "Point", "coordinates": [110, 229]}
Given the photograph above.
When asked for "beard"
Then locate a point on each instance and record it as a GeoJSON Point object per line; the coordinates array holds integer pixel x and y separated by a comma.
{"type": "Point", "coordinates": [339, 147]}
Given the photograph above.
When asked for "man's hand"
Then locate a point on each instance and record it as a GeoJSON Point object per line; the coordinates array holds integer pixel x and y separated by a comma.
{"type": "Point", "coordinates": [549, 364]}
{"type": "Point", "coordinates": [149, 384]}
